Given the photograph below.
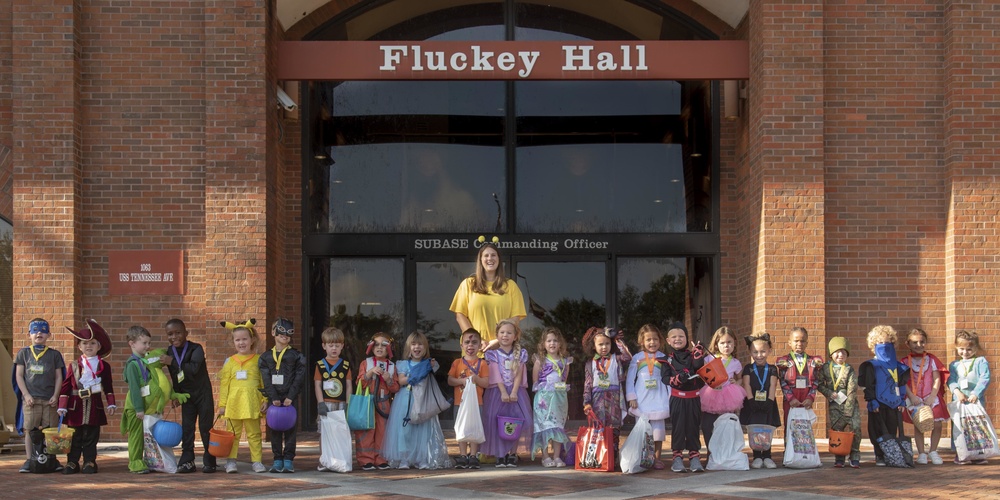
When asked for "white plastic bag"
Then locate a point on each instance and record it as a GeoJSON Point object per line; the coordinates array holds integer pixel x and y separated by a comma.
{"type": "Point", "coordinates": [800, 442]}
{"type": "Point", "coordinates": [975, 438]}
{"type": "Point", "coordinates": [637, 453]}
{"type": "Point", "coordinates": [335, 442]}
{"type": "Point", "coordinates": [726, 447]}
{"type": "Point", "coordinates": [157, 458]}
{"type": "Point", "coordinates": [468, 422]}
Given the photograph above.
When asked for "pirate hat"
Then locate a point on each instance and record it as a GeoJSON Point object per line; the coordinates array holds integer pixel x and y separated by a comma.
{"type": "Point", "coordinates": [95, 332]}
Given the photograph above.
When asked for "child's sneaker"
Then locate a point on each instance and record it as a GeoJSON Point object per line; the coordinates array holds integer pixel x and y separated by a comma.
{"type": "Point", "coordinates": [26, 467]}
{"type": "Point", "coordinates": [259, 467]}
{"type": "Point", "coordinates": [879, 462]}
{"type": "Point", "coordinates": [980, 462]}
{"type": "Point", "coordinates": [289, 468]}
{"type": "Point", "coordinates": [839, 462]}
{"type": "Point", "coordinates": [473, 462]}
{"type": "Point", "coordinates": [757, 463]}
{"type": "Point", "coordinates": [855, 464]}
{"type": "Point", "coordinates": [695, 465]}
{"type": "Point", "coordinates": [279, 466]}
{"type": "Point", "coordinates": [922, 459]}
{"type": "Point", "coordinates": [512, 461]}
{"type": "Point", "coordinates": [935, 458]}
{"type": "Point", "coordinates": [404, 465]}
{"type": "Point", "coordinates": [461, 462]}
{"type": "Point", "coordinates": [383, 466]}
{"type": "Point", "coordinates": [559, 462]}
{"type": "Point", "coordinates": [185, 468]}
{"type": "Point", "coordinates": [89, 468]}
{"type": "Point", "coordinates": [71, 468]}
{"type": "Point", "coordinates": [959, 462]}
{"type": "Point", "coordinates": [769, 464]}
{"type": "Point", "coordinates": [231, 466]}
{"type": "Point", "coordinates": [678, 465]}
{"type": "Point", "coordinates": [501, 462]}
{"type": "Point", "coordinates": [548, 463]}
{"type": "Point", "coordinates": [209, 469]}
{"type": "Point", "coordinates": [368, 466]}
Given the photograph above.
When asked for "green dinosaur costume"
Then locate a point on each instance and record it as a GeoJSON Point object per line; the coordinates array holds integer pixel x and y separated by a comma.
{"type": "Point", "coordinates": [157, 399]}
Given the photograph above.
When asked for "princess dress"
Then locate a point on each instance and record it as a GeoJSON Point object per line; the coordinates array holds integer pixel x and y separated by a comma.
{"type": "Point", "coordinates": [727, 398]}
{"type": "Point", "coordinates": [501, 367]}
{"type": "Point", "coordinates": [420, 445]}
{"type": "Point", "coordinates": [551, 404]}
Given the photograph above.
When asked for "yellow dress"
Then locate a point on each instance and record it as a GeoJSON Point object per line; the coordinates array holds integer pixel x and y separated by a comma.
{"type": "Point", "coordinates": [241, 397]}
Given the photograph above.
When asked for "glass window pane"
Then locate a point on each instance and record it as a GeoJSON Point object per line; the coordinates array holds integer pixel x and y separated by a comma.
{"type": "Point", "coordinates": [661, 290]}
{"type": "Point", "coordinates": [570, 296]}
{"type": "Point", "coordinates": [7, 285]}
{"type": "Point", "coordinates": [359, 296]}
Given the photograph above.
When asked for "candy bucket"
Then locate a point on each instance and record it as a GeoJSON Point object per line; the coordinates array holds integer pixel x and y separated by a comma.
{"type": "Point", "coordinates": [760, 436]}
{"type": "Point", "coordinates": [714, 373]}
{"type": "Point", "coordinates": [220, 442]}
{"type": "Point", "coordinates": [509, 427]}
{"type": "Point", "coordinates": [167, 434]}
{"type": "Point", "coordinates": [58, 441]}
{"type": "Point", "coordinates": [840, 442]}
{"type": "Point", "coordinates": [281, 418]}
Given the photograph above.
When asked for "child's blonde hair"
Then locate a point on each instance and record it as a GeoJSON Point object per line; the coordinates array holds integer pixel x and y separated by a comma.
{"type": "Point", "coordinates": [542, 353]}
{"type": "Point", "coordinates": [136, 331]}
{"type": "Point", "coordinates": [517, 332]}
{"type": "Point", "coordinates": [713, 345]}
{"type": "Point", "coordinates": [881, 334]}
{"type": "Point", "coordinates": [649, 327]}
{"type": "Point", "coordinates": [250, 331]}
{"type": "Point", "coordinates": [417, 337]}
{"type": "Point", "coordinates": [332, 335]}
{"type": "Point", "coordinates": [917, 331]}
{"type": "Point", "coordinates": [970, 337]}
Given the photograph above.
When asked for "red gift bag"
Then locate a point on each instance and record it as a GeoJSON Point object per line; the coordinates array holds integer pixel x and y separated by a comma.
{"type": "Point", "coordinates": [595, 450]}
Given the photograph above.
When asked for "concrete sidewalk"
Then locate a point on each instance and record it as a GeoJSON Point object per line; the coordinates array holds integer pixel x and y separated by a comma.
{"type": "Point", "coordinates": [529, 480]}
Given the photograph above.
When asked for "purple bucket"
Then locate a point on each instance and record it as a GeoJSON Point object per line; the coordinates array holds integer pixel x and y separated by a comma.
{"type": "Point", "coordinates": [282, 418]}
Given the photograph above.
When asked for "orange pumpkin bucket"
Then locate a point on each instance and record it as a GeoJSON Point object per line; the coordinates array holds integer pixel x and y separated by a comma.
{"type": "Point", "coordinates": [714, 373]}
{"type": "Point", "coordinates": [840, 442]}
{"type": "Point", "coordinates": [220, 442]}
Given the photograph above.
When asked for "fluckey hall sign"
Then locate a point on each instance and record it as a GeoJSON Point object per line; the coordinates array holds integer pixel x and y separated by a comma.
{"type": "Point", "coordinates": [597, 60]}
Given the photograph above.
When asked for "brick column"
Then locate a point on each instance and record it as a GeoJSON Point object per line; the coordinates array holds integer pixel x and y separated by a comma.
{"type": "Point", "coordinates": [785, 159]}
{"type": "Point", "coordinates": [972, 163]}
{"type": "Point", "coordinates": [46, 164]}
{"type": "Point", "coordinates": [236, 165]}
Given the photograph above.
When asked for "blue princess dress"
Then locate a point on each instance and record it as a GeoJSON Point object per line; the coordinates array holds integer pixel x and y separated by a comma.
{"type": "Point", "coordinates": [408, 444]}
{"type": "Point", "coordinates": [551, 404]}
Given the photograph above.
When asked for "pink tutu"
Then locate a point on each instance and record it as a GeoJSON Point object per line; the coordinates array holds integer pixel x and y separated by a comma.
{"type": "Point", "coordinates": [726, 399]}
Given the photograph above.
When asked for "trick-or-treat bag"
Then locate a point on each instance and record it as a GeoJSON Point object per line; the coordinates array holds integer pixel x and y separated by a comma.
{"type": "Point", "coordinates": [595, 450]}
{"type": "Point", "coordinates": [975, 437]}
{"type": "Point", "coordinates": [726, 447]}
{"type": "Point", "coordinates": [335, 442]}
{"type": "Point", "coordinates": [637, 454]}
{"type": "Point", "coordinates": [469, 421]}
{"type": "Point", "coordinates": [157, 458]}
{"type": "Point", "coordinates": [800, 443]}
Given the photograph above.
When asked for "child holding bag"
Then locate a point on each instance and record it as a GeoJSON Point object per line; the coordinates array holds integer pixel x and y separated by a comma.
{"type": "Point", "coordinates": [506, 395]}
{"type": "Point", "coordinates": [728, 397]}
{"type": "Point", "coordinates": [602, 387]}
{"type": "Point", "coordinates": [760, 381]}
{"type": "Point", "coordinates": [551, 397]}
{"type": "Point", "coordinates": [469, 367]}
{"type": "Point", "coordinates": [884, 379]}
{"type": "Point", "coordinates": [926, 388]}
{"type": "Point", "coordinates": [420, 444]}
{"type": "Point", "coordinates": [240, 397]}
{"type": "Point", "coordinates": [969, 376]}
{"type": "Point", "coordinates": [377, 374]}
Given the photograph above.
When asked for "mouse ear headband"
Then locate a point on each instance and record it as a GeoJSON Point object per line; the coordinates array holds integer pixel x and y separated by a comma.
{"type": "Point", "coordinates": [386, 343]}
{"type": "Point", "coordinates": [248, 325]}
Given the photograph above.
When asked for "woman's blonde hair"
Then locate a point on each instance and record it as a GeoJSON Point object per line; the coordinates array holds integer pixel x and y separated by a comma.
{"type": "Point", "coordinates": [881, 334]}
{"type": "Point", "coordinates": [420, 338]}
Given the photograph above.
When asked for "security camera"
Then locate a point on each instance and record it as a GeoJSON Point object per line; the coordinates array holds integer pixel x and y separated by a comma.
{"type": "Point", "coordinates": [284, 101]}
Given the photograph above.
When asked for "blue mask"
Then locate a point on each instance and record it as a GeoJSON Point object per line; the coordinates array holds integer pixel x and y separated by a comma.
{"type": "Point", "coordinates": [886, 353]}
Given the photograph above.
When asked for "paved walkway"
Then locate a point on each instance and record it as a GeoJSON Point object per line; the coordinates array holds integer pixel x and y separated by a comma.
{"type": "Point", "coordinates": [530, 480]}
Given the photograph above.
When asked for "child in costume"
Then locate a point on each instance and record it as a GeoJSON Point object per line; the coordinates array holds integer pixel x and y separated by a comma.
{"type": "Point", "coordinates": [240, 398]}
{"type": "Point", "coordinates": [647, 395]}
{"type": "Point", "coordinates": [470, 365]}
{"type": "Point", "coordinates": [283, 372]}
{"type": "Point", "coordinates": [551, 397]}
{"type": "Point", "coordinates": [685, 406]}
{"type": "Point", "coordinates": [884, 379]}
{"type": "Point", "coordinates": [140, 391]}
{"type": "Point", "coordinates": [507, 395]}
{"type": "Point", "coordinates": [38, 370]}
{"type": "Point", "coordinates": [760, 382]}
{"type": "Point", "coordinates": [81, 399]}
{"type": "Point", "coordinates": [406, 442]}
{"type": "Point", "coordinates": [602, 389]}
{"type": "Point", "coordinates": [798, 373]}
{"type": "Point", "coordinates": [839, 384]}
{"type": "Point", "coordinates": [332, 378]}
{"type": "Point", "coordinates": [185, 360]}
{"type": "Point", "coordinates": [377, 374]}
{"type": "Point", "coordinates": [926, 387]}
{"type": "Point", "coordinates": [969, 375]}
{"type": "Point", "coordinates": [728, 397]}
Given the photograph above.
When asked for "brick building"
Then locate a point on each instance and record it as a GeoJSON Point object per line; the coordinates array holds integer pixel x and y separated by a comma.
{"type": "Point", "coordinates": [851, 180]}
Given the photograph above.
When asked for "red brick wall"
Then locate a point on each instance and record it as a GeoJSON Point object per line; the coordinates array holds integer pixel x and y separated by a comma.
{"type": "Point", "coordinates": [6, 118]}
{"type": "Point", "coordinates": [972, 169]}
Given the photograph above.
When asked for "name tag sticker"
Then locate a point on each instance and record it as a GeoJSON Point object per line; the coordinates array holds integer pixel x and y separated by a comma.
{"type": "Point", "coordinates": [180, 376]}
{"type": "Point", "coordinates": [603, 384]}
{"type": "Point", "coordinates": [560, 386]}
{"type": "Point", "coordinates": [964, 383]}
{"type": "Point", "coordinates": [278, 379]}
{"type": "Point", "coordinates": [651, 383]}
{"type": "Point", "coordinates": [144, 391]}
{"type": "Point", "coordinates": [839, 398]}
{"type": "Point", "coordinates": [760, 396]}
{"type": "Point", "coordinates": [800, 383]}
{"type": "Point", "coordinates": [96, 388]}
{"type": "Point", "coordinates": [241, 375]}
{"type": "Point", "coordinates": [327, 385]}
{"type": "Point", "coordinates": [36, 369]}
